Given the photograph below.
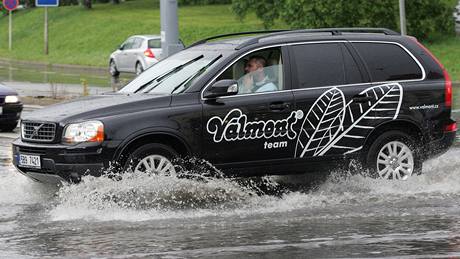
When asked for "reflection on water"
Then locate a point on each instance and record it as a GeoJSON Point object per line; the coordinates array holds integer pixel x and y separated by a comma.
{"type": "Point", "coordinates": [65, 75]}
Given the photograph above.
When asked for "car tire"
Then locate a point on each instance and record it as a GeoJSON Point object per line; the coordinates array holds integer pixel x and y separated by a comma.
{"type": "Point", "coordinates": [394, 155]}
{"type": "Point", "coordinates": [8, 127]}
{"type": "Point", "coordinates": [152, 158]}
{"type": "Point", "coordinates": [139, 68]}
{"type": "Point", "coordinates": [113, 70]}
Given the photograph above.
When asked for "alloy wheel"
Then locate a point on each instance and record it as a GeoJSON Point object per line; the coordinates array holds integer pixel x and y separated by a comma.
{"type": "Point", "coordinates": [395, 161]}
{"type": "Point", "coordinates": [156, 164]}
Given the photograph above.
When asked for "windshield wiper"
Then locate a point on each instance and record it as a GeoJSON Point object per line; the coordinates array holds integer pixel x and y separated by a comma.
{"type": "Point", "coordinates": [166, 74]}
{"type": "Point", "coordinates": [196, 74]}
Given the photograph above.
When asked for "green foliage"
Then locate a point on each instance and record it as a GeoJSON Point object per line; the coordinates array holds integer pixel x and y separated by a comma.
{"type": "Point", "coordinates": [424, 17]}
{"type": "Point", "coordinates": [268, 11]}
{"type": "Point", "coordinates": [203, 2]}
{"type": "Point", "coordinates": [78, 36]}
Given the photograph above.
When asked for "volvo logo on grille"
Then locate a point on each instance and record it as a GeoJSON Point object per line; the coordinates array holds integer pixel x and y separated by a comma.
{"type": "Point", "coordinates": [36, 129]}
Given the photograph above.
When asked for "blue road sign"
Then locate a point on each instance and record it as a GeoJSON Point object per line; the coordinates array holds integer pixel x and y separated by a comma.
{"type": "Point", "coordinates": [47, 3]}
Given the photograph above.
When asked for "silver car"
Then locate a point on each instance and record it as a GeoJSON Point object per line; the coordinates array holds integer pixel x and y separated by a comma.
{"type": "Point", "coordinates": [135, 55]}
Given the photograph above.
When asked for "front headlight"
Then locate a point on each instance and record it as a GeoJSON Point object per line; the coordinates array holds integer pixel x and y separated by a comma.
{"type": "Point", "coordinates": [89, 131]}
{"type": "Point", "coordinates": [11, 99]}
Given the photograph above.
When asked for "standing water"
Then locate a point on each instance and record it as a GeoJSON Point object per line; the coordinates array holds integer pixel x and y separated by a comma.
{"type": "Point", "coordinates": [164, 216]}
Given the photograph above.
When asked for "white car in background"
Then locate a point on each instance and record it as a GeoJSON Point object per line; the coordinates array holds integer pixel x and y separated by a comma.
{"type": "Point", "coordinates": [136, 54]}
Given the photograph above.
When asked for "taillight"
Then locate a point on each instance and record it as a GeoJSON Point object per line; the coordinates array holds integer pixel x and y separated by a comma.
{"type": "Point", "coordinates": [448, 87]}
{"type": "Point", "coordinates": [149, 53]}
{"type": "Point", "coordinates": [450, 127]}
{"type": "Point", "coordinates": [448, 81]}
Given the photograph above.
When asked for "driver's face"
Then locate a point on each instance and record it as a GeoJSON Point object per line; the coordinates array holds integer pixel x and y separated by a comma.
{"type": "Point", "coordinates": [251, 66]}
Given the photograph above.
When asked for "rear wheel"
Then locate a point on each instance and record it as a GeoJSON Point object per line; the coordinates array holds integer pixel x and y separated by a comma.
{"type": "Point", "coordinates": [394, 155]}
{"type": "Point", "coordinates": [152, 159]}
{"type": "Point", "coordinates": [139, 68]}
{"type": "Point", "coordinates": [113, 68]}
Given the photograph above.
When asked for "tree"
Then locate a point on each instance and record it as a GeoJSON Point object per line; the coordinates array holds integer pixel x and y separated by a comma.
{"type": "Point", "coordinates": [424, 17]}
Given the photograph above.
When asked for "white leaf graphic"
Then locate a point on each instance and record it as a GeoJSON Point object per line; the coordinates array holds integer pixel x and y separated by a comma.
{"type": "Point", "coordinates": [322, 123]}
{"type": "Point", "coordinates": [385, 103]}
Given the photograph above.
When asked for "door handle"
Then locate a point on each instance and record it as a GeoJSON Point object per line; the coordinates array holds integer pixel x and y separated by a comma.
{"type": "Point", "coordinates": [362, 98]}
{"type": "Point", "coordinates": [279, 106]}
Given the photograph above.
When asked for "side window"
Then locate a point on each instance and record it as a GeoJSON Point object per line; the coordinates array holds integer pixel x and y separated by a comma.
{"type": "Point", "coordinates": [352, 73]}
{"type": "Point", "coordinates": [155, 44]}
{"type": "Point", "coordinates": [128, 44]}
{"type": "Point", "coordinates": [137, 43]}
{"type": "Point", "coordinates": [260, 71]}
{"type": "Point", "coordinates": [319, 65]}
{"type": "Point", "coordinates": [388, 62]}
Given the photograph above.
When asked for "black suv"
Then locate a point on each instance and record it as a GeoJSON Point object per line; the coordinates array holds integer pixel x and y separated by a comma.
{"type": "Point", "coordinates": [269, 103]}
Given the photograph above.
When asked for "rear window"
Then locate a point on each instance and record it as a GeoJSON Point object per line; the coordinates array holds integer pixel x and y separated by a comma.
{"type": "Point", "coordinates": [388, 62]}
{"type": "Point", "coordinates": [155, 44]}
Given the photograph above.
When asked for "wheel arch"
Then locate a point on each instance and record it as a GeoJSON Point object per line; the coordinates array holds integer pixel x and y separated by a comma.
{"type": "Point", "coordinates": [162, 137]}
{"type": "Point", "coordinates": [409, 127]}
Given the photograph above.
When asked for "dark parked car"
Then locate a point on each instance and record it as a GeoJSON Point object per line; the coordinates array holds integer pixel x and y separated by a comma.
{"type": "Point", "coordinates": [269, 103]}
{"type": "Point", "coordinates": [10, 108]}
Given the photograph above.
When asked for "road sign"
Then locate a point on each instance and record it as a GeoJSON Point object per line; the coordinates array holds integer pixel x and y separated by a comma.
{"type": "Point", "coordinates": [46, 3]}
{"type": "Point", "coordinates": [10, 5]}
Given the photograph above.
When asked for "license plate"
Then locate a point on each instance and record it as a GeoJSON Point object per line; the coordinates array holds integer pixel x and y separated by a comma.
{"type": "Point", "coordinates": [29, 161]}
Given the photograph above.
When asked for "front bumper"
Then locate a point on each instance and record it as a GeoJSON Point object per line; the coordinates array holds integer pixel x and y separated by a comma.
{"type": "Point", "coordinates": [61, 162]}
{"type": "Point", "coordinates": [11, 113]}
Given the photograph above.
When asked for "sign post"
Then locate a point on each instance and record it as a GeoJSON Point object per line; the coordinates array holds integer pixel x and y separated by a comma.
{"type": "Point", "coordinates": [46, 4]}
{"type": "Point", "coordinates": [402, 17]}
{"type": "Point", "coordinates": [10, 5]}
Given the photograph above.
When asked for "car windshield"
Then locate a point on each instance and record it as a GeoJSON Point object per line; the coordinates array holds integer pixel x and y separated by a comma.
{"type": "Point", "coordinates": [174, 74]}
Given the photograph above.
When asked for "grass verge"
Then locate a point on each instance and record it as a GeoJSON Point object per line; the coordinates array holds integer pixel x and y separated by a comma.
{"type": "Point", "coordinates": [87, 37]}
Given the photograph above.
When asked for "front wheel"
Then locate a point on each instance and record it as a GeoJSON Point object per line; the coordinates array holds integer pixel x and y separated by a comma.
{"type": "Point", "coordinates": [394, 155]}
{"type": "Point", "coordinates": [113, 68]}
{"type": "Point", "coordinates": [152, 159]}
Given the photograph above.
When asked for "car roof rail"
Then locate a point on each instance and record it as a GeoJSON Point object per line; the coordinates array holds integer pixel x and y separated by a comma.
{"type": "Point", "coordinates": [234, 34]}
{"type": "Point", "coordinates": [333, 31]}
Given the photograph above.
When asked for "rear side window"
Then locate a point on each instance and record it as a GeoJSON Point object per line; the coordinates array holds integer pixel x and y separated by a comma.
{"type": "Point", "coordinates": [324, 64]}
{"type": "Point", "coordinates": [388, 62]}
{"type": "Point", "coordinates": [155, 44]}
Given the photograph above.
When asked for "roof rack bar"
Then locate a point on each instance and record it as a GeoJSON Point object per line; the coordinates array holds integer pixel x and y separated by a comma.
{"type": "Point", "coordinates": [234, 34]}
{"type": "Point", "coordinates": [333, 31]}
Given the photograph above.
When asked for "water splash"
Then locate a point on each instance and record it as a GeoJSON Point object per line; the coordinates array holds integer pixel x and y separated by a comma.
{"type": "Point", "coordinates": [139, 197]}
{"type": "Point", "coordinates": [18, 189]}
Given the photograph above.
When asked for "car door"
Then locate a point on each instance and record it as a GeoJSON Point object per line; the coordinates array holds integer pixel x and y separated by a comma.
{"type": "Point", "coordinates": [329, 87]}
{"type": "Point", "coordinates": [123, 60]}
{"type": "Point", "coordinates": [133, 53]}
{"type": "Point", "coordinates": [251, 127]}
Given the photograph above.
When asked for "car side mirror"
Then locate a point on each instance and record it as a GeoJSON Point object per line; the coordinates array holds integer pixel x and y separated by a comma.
{"type": "Point", "coordinates": [222, 88]}
{"type": "Point", "coordinates": [121, 47]}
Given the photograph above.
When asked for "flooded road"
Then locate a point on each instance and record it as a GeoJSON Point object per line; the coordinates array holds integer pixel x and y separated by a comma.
{"type": "Point", "coordinates": [156, 216]}
{"type": "Point", "coordinates": [166, 217]}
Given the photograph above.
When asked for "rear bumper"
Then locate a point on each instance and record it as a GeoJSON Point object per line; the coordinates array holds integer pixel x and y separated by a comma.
{"type": "Point", "coordinates": [440, 146]}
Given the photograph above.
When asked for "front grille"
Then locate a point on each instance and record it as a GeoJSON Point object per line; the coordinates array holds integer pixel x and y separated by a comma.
{"type": "Point", "coordinates": [38, 131]}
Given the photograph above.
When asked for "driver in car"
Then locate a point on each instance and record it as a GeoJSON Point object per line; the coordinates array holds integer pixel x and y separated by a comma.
{"type": "Point", "coordinates": [255, 80]}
